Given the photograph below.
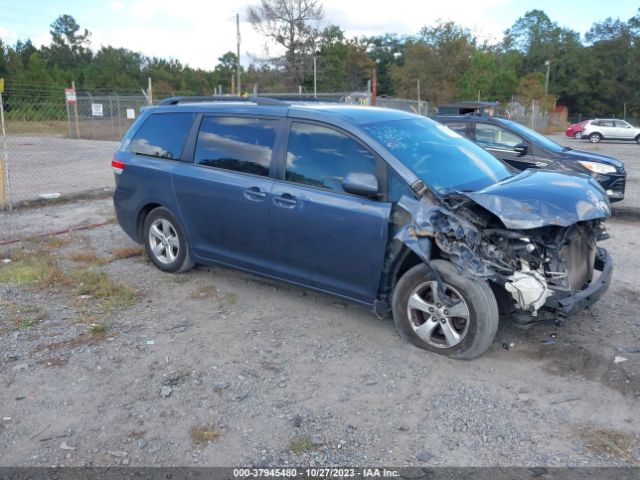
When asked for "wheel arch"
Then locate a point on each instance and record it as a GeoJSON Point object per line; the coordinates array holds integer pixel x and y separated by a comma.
{"type": "Point", "coordinates": [142, 215]}
{"type": "Point", "coordinates": [401, 259]}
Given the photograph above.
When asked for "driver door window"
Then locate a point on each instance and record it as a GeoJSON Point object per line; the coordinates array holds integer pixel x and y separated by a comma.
{"type": "Point", "coordinates": [321, 157]}
{"type": "Point", "coordinates": [492, 136]}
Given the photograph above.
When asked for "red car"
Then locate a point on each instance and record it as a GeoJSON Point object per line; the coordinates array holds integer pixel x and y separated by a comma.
{"type": "Point", "coordinates": [576, 129]}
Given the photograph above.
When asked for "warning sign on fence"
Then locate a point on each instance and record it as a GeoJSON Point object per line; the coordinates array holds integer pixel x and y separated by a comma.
{"type": "Point", "coordinates": [96, 109]}
{"type": "Point", "coordinates": [70, 94]}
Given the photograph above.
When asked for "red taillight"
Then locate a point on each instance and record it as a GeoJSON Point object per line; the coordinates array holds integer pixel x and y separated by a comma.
{"type": "Point", "coordinates": [118, 166]}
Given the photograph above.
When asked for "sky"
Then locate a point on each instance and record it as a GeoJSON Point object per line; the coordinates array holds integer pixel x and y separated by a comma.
{"type": "Point", "coordinates": [198, 32]}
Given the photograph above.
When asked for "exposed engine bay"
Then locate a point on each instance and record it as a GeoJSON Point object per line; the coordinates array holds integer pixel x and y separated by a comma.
{"type": "Point", "coordinates": [555, 257]}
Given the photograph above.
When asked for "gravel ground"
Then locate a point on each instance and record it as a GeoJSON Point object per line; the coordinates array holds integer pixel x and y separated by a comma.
{"type": "Point", "coordinates": [217, 367]}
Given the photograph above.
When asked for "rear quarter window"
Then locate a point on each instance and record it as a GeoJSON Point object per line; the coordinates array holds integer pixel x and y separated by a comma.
{"type": "Point", "coordinates": [236, 143]}
{"type": "Point", "coordinates": [163, 135]}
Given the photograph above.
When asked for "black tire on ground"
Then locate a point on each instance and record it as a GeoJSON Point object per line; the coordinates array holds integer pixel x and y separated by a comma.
{"type": "Point", "coordinates": [638, 139]}
{"type": "Point", "coordinates": [595, 137]}
{"type": "Point", "coordinates": [577, 135]}
{"type": "Point", "coordinates": [480, 302]}
{"type": "Point", "coordinates": [166, 244]}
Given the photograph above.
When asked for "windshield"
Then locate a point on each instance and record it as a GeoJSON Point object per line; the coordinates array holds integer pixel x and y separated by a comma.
{"type": "Point", "coordinates": [442, 158]}
{"type": "Point", "coordinates": [538, 138]}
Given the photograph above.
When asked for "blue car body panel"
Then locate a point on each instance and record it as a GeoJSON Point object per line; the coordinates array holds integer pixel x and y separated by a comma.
{"type": "Point", "coordinates": [335, 241]}
{"type": "Point", "coordinates": [226, 215]}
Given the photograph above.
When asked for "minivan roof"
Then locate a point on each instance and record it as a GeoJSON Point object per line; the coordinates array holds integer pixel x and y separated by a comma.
{"type": "Point", "coordinates": [311, 110]}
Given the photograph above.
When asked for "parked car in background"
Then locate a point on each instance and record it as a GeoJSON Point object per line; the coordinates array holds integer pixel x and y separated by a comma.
{"type": "Point", "coordinates": [523, 148]}
{"type": "Point", "coordinates": [380, 207]}
{"type": "Point", "coordinates": [575, 130]}
{"type": "Point", "coordinates": [610, 129]}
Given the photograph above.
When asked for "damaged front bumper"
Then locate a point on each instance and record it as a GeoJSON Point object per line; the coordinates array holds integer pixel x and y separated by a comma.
{"type": "Point", "coordinates": [541, 248]}
{"type": "Point", "coordinates": [569, 303]}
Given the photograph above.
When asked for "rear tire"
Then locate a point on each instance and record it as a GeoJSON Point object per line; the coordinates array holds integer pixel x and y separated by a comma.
{"type": "Point", "coordinates": [595, 138]}
{"type": "Point", "coordinates": [464, 330]}
{"type": "Point", "coordinates": [165, 242]}
{"type": "Point", "coordinates": [638, 139]}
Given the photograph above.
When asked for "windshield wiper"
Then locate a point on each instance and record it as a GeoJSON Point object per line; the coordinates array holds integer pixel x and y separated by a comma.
{"type": "Point", "coordinates": [566, 149]}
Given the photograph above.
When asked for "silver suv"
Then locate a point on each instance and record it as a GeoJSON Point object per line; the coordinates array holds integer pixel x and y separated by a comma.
{"type": "Point", "coordinates": [610, 129]}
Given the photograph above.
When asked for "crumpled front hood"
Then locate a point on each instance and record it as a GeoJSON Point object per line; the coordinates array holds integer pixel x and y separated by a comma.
{"type": "Point", "coordinates": [537, 198]}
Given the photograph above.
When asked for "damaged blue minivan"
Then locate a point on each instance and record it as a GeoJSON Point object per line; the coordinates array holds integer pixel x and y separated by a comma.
{"type": "Point", "coordinates": [380, 207]}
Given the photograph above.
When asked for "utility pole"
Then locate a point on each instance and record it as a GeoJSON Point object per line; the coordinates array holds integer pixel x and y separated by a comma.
{"type": "Point", "coordinates": [238, 56]}
{"type": "Point", "coordinates": [315, 78]}
{"type": "Point", "coordinates": [374, 86]}
{"type": "Point", "coordinates": [418, 88]}
{"type": "Point", "coordinates": [546, 78]}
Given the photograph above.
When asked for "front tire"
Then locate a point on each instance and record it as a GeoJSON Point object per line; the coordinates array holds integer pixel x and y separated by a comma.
{"type": "Point", "coordinates": [463, 325]}
{"type": "Point", "coordinates": [577, 135]}
{"type": "Point", "coordinates": [165, 242]}
{"type": "Point", "coordinates": [595, 138]}
{"type": "Point", "coordinates": [638, 139]}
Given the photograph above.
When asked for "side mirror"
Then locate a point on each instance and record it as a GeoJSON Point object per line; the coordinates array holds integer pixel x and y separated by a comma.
{"type": "Point", "coordinates": [360, 183]}
{"type": "Point", "coordinates": [521, 148]}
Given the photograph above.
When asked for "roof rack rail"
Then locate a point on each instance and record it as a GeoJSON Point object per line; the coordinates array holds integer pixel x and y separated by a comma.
{"type": "Point", "coordinates": [222, 98]}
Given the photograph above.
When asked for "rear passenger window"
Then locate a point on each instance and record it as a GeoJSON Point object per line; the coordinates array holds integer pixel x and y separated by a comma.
{"type": "Point", "coordinates": [236, 143]}
{"type": "Point", "coordinates": [321, 157]}
{"type": "Point", "coordinates": [163, 135]}
{"type": "Point", "coordinates": [490, 136]}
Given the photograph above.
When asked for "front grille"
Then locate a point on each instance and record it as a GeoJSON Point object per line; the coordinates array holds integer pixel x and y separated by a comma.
{"type": "Point", "coordinates": [579, 258]}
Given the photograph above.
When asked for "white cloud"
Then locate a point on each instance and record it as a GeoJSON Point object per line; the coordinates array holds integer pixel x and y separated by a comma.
{"type": "Point", "coordinates": [198, 32]}
{"type": "Point", "coordinates": [117, 6]}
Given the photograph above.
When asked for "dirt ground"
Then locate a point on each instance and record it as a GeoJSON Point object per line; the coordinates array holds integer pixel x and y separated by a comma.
{"type": "Point", "coordinates": [105, 360]}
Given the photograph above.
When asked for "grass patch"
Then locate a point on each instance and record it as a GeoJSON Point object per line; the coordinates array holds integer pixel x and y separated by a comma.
{"type": "Point", "coordinates": [98, 330]}
{"type": "Point", "coordinates": [301, 444]}
{"type": "Point", "coordinates": [23, 316]}
{"type": "Point", "coordinates": [230, 298]}
{"type": "Point", "coordinates": [113, 295]}
{"type": "Point", "coordinates": [204, 292]}
{"type": "Point", "coordinates": [177, 278]}
{"type": "Point", "coordinates": [29, 268]}
{"type": "Point", "coordinates": [126, 252]}
{"type": "Point", "coordinates": [56, 241]}
{"type": "Point", "coordinates": [39, 127]}
{"type": "Point", "coordinates": [87, 256]}
{"type": "Point", "coordinates": [203, 434]}
{"type": "Point", "coordinates": [607, 441]}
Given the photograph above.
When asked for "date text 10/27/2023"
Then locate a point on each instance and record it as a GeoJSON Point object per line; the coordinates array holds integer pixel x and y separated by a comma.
{"type": "Point", "coordinates": [315, 472]}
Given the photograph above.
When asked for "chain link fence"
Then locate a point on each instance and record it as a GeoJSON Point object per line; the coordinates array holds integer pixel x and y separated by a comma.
{"type": "Point", "coordinates": [58, 146]}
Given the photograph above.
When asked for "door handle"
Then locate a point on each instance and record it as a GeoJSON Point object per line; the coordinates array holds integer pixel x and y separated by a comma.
{"type": "Point", "coordinates": [285, 200]}
{"type": "Point", "coordinates": [254, 193]}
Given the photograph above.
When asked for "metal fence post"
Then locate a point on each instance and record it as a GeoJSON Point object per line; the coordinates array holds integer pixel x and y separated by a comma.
{"type": "Point", "coordinates": [75, 109]}
{"type": "Point", "coordinates": [93, 125]}
{"type": "Point", "coordinates": [119, 115]}
{"type": "Point", "coordinates": [4, 163]}
{"type": "Point", "coordinates": [113, 127]}
{"type": "Point", "coordinates": [68, 116]}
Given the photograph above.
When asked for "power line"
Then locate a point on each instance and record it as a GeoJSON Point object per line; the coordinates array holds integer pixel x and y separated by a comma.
{"type": "Point", "coordinates": [24, 11]}
{"type": "Point", "coordinates": [13, 20]}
